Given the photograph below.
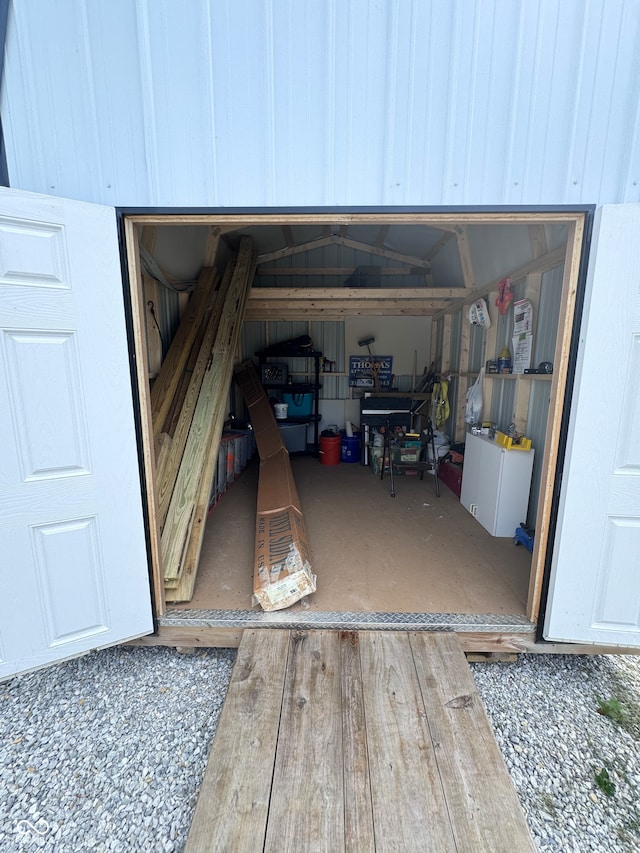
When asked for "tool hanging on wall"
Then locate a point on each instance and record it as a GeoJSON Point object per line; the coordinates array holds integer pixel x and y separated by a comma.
{"type": "Point", "coordinates": [440, 407]}
{"type": "Point", "coordinates": [375, 366]}
{"type": "Point", "coordinates": [505, 297]}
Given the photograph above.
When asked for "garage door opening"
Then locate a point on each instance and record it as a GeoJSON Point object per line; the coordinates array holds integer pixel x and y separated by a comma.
{"type": "Point", "coordinates": [406, 282]}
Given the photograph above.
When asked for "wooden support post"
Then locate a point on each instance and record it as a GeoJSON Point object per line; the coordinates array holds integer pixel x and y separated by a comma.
{"type": "Point", "coordinates": [490, 344]}
{"type": "Point", "coordinates": [464, 251]}
{"type": "Point", "coordinates": [465, 344]}
{"type": "Point", "coordinates": [445, 366]}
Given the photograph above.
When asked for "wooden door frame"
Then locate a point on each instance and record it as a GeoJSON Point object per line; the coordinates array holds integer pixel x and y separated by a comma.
{"type": "Point", "coordinates": [578, 222]}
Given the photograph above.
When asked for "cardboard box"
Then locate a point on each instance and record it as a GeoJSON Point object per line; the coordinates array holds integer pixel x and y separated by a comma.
{"type": "Point", "coordinates": [282, 569]}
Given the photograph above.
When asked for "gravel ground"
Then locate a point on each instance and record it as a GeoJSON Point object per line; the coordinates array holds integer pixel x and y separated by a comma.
{"type": "Point", "coordinates": [545, 714]}
{"type": "Point", "coordinates": [106, 752]}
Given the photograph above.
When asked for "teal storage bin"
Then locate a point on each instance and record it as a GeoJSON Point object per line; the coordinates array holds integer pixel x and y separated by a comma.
{"type": "Point", "coordinates": [300, 405]}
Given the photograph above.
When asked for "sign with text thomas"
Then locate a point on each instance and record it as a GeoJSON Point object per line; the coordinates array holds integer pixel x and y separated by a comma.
{"type": "Point", "coordinates": [363, 370]}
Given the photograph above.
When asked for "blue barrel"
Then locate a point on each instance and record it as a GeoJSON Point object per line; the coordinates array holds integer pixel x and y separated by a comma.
{"type": "Point", "coordinates": [350, 448]}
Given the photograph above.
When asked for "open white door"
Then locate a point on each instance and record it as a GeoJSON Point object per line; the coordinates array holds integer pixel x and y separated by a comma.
{"type": "Point", "coordinates": [73, 563]}
{"type": "Point", "coordinates": [594, 593]}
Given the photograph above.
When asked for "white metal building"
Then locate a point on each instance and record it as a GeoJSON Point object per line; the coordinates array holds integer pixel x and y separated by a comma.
{"type": "Point", "coordinates": [525, 111]}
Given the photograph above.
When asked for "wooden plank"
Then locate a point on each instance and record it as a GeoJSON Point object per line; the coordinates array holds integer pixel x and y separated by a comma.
{"type": "Point", "coordinates": [314, 309]}
{"type": "Point", "coordinates": [570, 277]}
{"type": "Point", "coordinates": [339, 271]}
{"type": "Point", "coordinates": [289, 251]}
{"type": "Point", "coordinates": [438, 245]}
{"type": "Point", "coordinates": [358, 818]}
{"type": "Point", "coordinates": [144, 398]}
{"type": "Point", "coordinates": [443, 221]}
{"type": "Point", "coordinates": [382, 236]}
{"type": "Point", "coordinates": [547, 262]}
{"type": "Point", "coordinates": [180, 393]}
{"type": "Point", "coordinates": [521, 406]}
{"type": "Point", "coordinates": [307, 797]}
{"type": "Point", "coordinates": [445, 363]}
{"type": "Point", "coordinates": [287, 233]}
{"type": "Point", "coordinates": [466, 262]}
{"type": "Point", "coordinates": [335, 240]}
{"type": "Point", "coordinates": [169, 463]}
{"type": "Point", "coordinates": [538, 239]}
{"type": "Point", "coordinates": [407, 795]}
{"type": "Point", "coordinates": [185, 588]}
{"type": "Point", "coordinates": [211, 249]}
{"type": "Point", "coordinates": [201, 637]}
{"type": "Point", "coordinates": [213, 393]}
{"type": "Point", "coordinates": [383, 253]}
{"type": "Point", "coordinates": [463, 366]}
{"type": "Point", "coordinates": [482, 803]}
{"type": "Point", "coordinates": [289, 294]}
{"type": "Point", "coordinates": [165, 385]}
{"type": "Point", "coordinates": [233, 803]}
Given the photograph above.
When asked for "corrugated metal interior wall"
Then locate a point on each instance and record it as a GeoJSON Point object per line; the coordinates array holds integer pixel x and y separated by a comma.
{"type": "Point", "coordinates": [251, 102]}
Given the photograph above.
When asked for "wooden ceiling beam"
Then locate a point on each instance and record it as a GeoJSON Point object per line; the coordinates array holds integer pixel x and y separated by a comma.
{"type": "Point", "coordinates": [288, 251]}
{"type": "Point", "coordinates": [340, 271]}
{"type": "Point", "coordinates": [538, 265]}
{"type": "Point", "coordinates": [287, 233]}
{"type": "Point", "coordinates": [442, 221]}
{"type": "Point", "coordinates": [382, 236]}
{"type": "Point", "coordinates": [382, 253]}
{"type": "Point", "coordinates": [334, 308]}
{"type": "Point", "coordinates": [538, 238]}
{"type": "Point", "coordinates": [293, 294]}
{"type": "Point", "coordinates": [321, 242]}
{"type": "Point", "coordinates": [439, 244]}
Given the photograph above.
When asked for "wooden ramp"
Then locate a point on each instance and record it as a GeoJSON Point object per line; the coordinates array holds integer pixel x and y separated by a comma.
{"type": "Point", "coordinates": [343, 741]}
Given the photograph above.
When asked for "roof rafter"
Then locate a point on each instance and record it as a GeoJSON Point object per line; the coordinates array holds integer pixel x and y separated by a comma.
{"type": "Point", "coordinates": [321, 242]}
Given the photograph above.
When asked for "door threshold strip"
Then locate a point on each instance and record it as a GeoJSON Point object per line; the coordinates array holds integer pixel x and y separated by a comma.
{"type": "Point", "coordinates": [336, 620]}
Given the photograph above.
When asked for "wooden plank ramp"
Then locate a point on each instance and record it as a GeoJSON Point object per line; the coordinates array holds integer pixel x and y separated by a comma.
{"type": "Point", "coordinates": [355, 741]}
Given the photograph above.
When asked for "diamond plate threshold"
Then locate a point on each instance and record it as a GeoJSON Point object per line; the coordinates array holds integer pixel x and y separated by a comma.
{"type": "Point", "coordinates": [335, 620]}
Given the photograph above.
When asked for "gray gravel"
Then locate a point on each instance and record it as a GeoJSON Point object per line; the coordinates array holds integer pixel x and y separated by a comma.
{"type": "Point", "coordinates": [106, 753]}
{"type": "Point", "coordinates": [544, 710]}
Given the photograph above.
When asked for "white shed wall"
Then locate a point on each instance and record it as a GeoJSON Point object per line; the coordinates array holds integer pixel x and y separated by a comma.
{"type": "Point", "coordinates": [300, 102]}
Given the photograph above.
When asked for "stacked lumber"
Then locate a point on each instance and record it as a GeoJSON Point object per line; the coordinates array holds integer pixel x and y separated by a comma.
{"type": "Point", "coordinates": [188, 404]}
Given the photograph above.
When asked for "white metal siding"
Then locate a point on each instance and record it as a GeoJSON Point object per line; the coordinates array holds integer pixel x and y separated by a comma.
{"type": "Point", "coordinates": [283, 102]}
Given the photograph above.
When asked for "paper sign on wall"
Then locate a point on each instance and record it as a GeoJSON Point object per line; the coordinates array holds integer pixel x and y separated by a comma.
{"type": "Point", "coordinates": [522, 340]}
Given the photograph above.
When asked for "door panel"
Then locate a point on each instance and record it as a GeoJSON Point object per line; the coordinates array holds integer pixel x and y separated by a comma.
{"type": "Point", "coordinates": [594, 594]}
{"type": "Point", "coordinates": [73, 564]}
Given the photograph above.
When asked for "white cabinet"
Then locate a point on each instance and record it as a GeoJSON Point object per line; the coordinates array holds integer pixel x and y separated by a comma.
{"type": "Point", "coordinates": [496, 484]}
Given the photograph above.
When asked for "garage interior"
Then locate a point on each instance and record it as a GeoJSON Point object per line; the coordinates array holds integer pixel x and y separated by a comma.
{"type": "Point", "coordinates": [405, 282]}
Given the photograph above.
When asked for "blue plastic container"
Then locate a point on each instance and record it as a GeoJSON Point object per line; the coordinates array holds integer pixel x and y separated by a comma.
{"type": "Point", "coordinates": [350, 448]}
{"type": "Point", "coordinates": [300, 405]}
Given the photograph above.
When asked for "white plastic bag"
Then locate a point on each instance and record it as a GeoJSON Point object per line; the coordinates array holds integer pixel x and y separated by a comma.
{"type": "Point", "coordinates": [473, 409]}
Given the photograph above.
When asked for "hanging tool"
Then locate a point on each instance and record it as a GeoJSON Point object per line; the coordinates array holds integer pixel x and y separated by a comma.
{"type": "Point", "coordinates": [375, 367]}
{"type": "Point", "coordinates": [441, 408]}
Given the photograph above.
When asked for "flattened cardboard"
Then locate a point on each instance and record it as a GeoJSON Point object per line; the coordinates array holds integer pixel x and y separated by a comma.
{"type": "Point", "coordinates": [282, 570]}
